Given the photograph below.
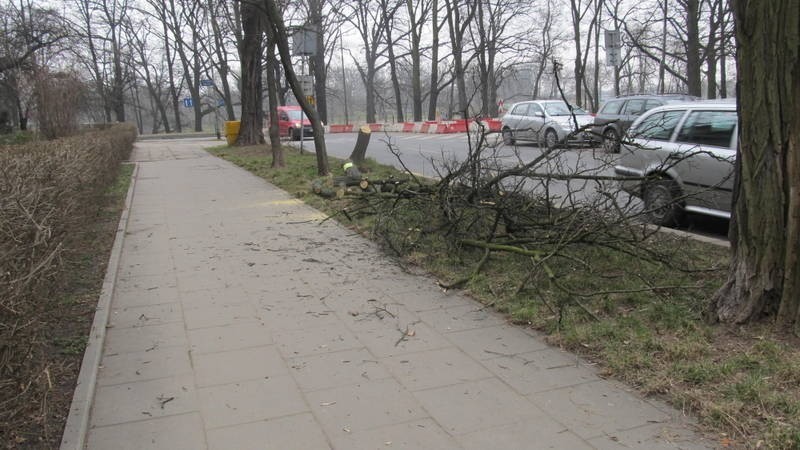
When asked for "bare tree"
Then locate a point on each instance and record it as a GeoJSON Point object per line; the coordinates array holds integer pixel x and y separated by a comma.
{"type": "Point", "coordinates": [365, 16]}
{"type": "Point", "coordinates": [279, 35]}
{"type": "Point", "coordinates": [460, 14]}
{"type": "Point", "coordinates": [250, 54]}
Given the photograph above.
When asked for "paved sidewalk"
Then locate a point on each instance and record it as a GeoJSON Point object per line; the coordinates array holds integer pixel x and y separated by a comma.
{"type": "Point", "coordinates": [239, 322]}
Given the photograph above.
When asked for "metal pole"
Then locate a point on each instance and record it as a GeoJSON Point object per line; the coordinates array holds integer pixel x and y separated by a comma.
{"type": "Point", "coordinates": [302, 125]}
{"type": "Point", "coordinates": [344, 79]}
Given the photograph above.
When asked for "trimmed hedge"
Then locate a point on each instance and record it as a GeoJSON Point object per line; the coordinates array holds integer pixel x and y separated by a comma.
{"type": "Point", "coordinates": [48, 190]}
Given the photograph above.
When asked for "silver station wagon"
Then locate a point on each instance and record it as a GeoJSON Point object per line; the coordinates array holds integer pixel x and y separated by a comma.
{"type": "Point", "coordinates": [547, 122]}
{"type": "Point", "coordinates": [682, 157]}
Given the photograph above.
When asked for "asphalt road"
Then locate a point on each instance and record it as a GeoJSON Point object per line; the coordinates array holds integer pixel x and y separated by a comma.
{"type": "Point", "coordinates": [429, 154]}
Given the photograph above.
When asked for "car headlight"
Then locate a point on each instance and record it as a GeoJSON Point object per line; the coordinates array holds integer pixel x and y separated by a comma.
{"type": "Point", "coordinates": [297, 124]}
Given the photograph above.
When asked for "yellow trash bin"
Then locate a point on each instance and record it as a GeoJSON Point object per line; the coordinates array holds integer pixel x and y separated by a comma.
{"type": "Point", "coordinates": [232, 131]}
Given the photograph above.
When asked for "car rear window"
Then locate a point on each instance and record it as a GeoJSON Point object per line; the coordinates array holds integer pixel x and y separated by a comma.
{"type": "Point", "coordinates": [612, 107]}
{"type": "Point", "coordinates": [713, 128]}
{"type": "Point", "coordinates": [635, 107]}
{"type": "Point", "coordinates": [658, 126]}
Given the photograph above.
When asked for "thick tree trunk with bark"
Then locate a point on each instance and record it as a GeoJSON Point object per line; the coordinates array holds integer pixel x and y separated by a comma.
{"type": "Point", "coordinates": [433, 98]}
{"type": "Point", "coordinates": [693, 48]}
{"type": "Point", "coordinates": [764, 277]}
{"type": "Point", "coordinates": [250, 131]}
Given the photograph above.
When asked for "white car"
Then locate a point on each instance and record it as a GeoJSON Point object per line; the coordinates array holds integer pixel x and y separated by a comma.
{"type": "Point", "coordinates": [548, 122]}
{"type": "Point", "coordinates": [681, 158]}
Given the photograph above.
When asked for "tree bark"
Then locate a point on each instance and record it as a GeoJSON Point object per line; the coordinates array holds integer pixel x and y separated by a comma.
{"type": "Point", "coordinates": [250, 131]}
{"type": "Point", "coordinates": [764, 277]}
{"type": "Point", "coordinates": [433, 97]}
{"type": "Point", "coordinates": [693, 70]}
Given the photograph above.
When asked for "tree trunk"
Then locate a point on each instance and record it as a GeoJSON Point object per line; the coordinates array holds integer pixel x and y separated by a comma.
{"type": "Point", "coordinates": [433, 98]}
{"type": "Point", "coordinates": [278, 160]}
{"type": "Point", "coordinates": [693, 48]}
{"type": "Point", "coordinates": [252, 119]}
{"type": "Point", "coordinates": [317, 62]}
{"type": "Point", "coordinates": [398, 95]}
{"type": "Point", "coordinates": [711, 55]}
{"type": "Point", "coordinates": [764, 277]}
{"type": "Point", "coordinates": [416, 76]}
{"type": "Point", "coordinates": [576, 29]}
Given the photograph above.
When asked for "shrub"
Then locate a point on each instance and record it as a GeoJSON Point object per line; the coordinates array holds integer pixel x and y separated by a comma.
{"type": "Point", "coordinates": [48, 190]}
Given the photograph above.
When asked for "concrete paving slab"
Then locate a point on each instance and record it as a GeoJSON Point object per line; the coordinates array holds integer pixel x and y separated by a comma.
{"type": "Point", "coordinates": [141, 316]}
{"type": "Point", "coordinates": [237, 365]}
{"type": "Point", "coordinates": [131, 402]}
{"type": "Point", "coordinates": [299, 432]}
{"type": "Point", "coordinates": [324, 339]}
{"type": "Point", "coordinates": [180, 432]}
{"type": "Point", "coordinates": [598, 408]}
{"type": "Point", "coordinates": [401, 339]}
{"type": "Point", "coordinates": [540, 371]}
{"type": "Point", "coordinates": [524, 436]}
{"type": "Point", "coordinates": [255, 326]}
{"type": "Point", "coordinates": [364, 406]}
{"type": "Point", "coordinates": [416, 435]}
{"type": "Point", "coordinates": [491, 342]}
{"type": "Point", "coordinates": [228, 337]}
{"type": "Point", "coordinates": [250, 401]}
{"type": "Point", "coordinates": [658, 436]}
{"type": "Point", "coordinates": [435, 368]}
{"type": "Point", "coordinates": [143, 339]}
{"type": "Point", "coordinates": [475, 405]}
{"type": "Point", "coordinates": [338, 369]}
{"type": "Point", "coordinates": [215, 316]}
{"type": "Point", "coordinates": [460, 318]}
{"type": "Point", "coordinates": [140, 366]}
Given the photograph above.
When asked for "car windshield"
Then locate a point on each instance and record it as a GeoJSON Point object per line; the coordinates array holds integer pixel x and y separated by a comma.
{"type": "Point", "coordinates": [295, 114]}
{"type": "Point", "coordinates": [561, 109]}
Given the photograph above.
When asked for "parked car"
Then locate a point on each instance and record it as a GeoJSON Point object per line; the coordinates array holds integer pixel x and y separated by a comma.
{"type": "Point", "coordinates": [547, 122]}
{"type": "Point", "coordinates": [683, 157]}
{"type": "Point", "coordinates": [616, 115]}
{"type": "Point", "coordinates": [291, 120]}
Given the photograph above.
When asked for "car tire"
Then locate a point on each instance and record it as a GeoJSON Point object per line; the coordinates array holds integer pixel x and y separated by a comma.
{"type": "Point", "coordinates": [611, 141]}
{"type": "Point", "coordinates": [661, 202]}
{"type": "Point", "coordinates": [550, 139]}
{"type": "Point", "coordinates": [294, 134]}
{"type": "Point", "coordinates": [508, 137]}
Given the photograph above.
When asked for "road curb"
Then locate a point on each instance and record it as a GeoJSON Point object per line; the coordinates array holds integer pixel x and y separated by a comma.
{"type": "Point", "coordinates": [77, 426]}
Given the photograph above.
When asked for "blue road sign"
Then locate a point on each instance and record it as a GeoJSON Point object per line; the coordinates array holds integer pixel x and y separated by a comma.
{"type": "Point", "coordinates": [206, 82]}
{"type": "Point", "coordinates": [221, 102]}
{"type": "Point", "coordinates": [187, 102]}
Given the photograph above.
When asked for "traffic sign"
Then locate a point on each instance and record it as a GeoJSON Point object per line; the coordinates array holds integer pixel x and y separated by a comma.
{"type": "Point", "coordinates": [613, 47]}
{"type": "Point", "coordinates": [206, 82]}
{"type": "Point", "coordinates": [306, 84]}
{"type": "Point", "coordinates": [221, 102]}
{"type": "Point", "coordinates": [187, 102]}
{"type": "Point", "coordinates": [310, 99]}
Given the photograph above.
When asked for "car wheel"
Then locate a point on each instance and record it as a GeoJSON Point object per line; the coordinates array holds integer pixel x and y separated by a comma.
{"type": "Point", "coordinates": [508, 138]}
{"type": "Point", "coordinates": [610, 141]}
{"type": "Point", "coordinates": [661, 202]}
{"type": "Point", "coordinates": [294, 135]}
{"type": "Point", "coordinates": [550, 139]}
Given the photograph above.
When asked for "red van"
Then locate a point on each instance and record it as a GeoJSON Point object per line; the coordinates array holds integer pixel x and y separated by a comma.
{"type": "Point", "coordinates": [290, 120]}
